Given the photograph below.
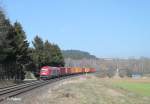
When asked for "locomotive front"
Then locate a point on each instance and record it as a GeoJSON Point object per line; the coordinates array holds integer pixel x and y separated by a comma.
{"type": "Point", "coordinates": [45, 72]}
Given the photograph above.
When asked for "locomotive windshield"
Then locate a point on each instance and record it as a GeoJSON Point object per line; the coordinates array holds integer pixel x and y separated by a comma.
{"type": "Point", "coordinates": [43, 70]}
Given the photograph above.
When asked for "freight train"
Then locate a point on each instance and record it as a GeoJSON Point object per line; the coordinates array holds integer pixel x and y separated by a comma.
{"type": "Point", "coordinates": [48, 72]}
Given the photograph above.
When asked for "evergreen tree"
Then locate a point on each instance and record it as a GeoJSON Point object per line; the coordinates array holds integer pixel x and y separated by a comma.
{"type": "Point", "coordinates": [37, 53]}
{"type": "Point", "coordinates": [7, 35]}
{"type": "Point", "coordinates": [20, 45]}
{"type": "Point", "coordinates": [57, 57]}
{"type": "Point", "coordinates": [13, 46]}
{"type": "Point", "coordinates": [45, 53]}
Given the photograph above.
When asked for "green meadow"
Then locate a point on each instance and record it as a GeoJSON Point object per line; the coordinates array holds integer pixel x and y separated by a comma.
{"type": "Point", "coordinates": [138, 87]}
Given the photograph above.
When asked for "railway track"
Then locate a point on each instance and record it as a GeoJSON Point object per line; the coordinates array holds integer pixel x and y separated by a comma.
{"type": "Point", "coordinates": [22, 88]}
{"type": "Point", "coordinates": [24, 82]}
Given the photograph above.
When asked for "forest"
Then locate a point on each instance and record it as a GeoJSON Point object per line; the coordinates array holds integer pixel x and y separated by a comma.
{"type": "Point", "coordinates": [17, 56]}
{"type": "Point", "coordinates": [77, 54]}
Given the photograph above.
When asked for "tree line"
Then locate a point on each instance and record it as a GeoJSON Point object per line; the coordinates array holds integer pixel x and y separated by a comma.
{"type": "Point", "coordinates": [108, 67]}
{"type": "Point", "coordinates": [16, 57]}
{"type": "Point", "coordinates": [77, 54]}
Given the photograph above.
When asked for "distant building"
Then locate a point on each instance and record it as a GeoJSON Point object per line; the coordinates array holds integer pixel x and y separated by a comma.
{"type": "Point", "coordinates": [108, 59]}
{"type": "Point", "coordinates": [136, 75]}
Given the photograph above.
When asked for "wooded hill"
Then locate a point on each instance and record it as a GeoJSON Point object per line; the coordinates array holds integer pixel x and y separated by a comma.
{"type": "Point", "coordinates": [77, 54]}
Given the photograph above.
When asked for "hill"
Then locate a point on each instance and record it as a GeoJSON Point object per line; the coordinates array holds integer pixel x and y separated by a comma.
{"type": "Point", "coordinates": [77, 54]}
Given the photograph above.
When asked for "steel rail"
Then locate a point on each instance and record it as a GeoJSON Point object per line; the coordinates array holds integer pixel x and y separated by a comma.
{"type": "Point", "coordinates": [19, 89]}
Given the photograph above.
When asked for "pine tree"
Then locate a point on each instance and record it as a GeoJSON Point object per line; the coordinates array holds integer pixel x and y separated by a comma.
{"type": "Point", "coordinates": [57, 57]}
{"type": "Point", "coordinates": [20, 45]}
{"type": "Point", "coordinates": [47, 52]}
{"type": "Point", "coordinates": [7, 35]}
{"type": "Point", "coordinates": [37, 53]}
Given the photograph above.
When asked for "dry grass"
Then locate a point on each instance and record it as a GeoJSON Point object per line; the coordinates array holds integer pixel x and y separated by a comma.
{"type": "Point", "coordinates": [93, 90]}
{"type": "Point", "coordinates": [88, 90]}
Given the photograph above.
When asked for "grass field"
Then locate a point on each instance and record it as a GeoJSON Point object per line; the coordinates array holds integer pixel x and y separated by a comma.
{"type": "Point", "coordinates": [94, 90]}
{"type": "Point", "coordinates": [140, 87]}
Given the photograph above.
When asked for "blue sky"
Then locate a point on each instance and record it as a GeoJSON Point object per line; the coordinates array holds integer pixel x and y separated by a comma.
{"type": "Point", "coordinates": [105, 28]}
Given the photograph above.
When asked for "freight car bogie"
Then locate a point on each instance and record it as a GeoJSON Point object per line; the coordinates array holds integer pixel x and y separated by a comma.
{"type": "Point", "coordinates": [44, 77]}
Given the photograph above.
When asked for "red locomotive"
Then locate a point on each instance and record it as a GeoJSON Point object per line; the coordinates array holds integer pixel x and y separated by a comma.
{"type": "Point", "coordinates": [48, 72]}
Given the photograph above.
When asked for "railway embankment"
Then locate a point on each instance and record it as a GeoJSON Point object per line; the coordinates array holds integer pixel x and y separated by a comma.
{"type": "Point", "coordinates": [87, 90]}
